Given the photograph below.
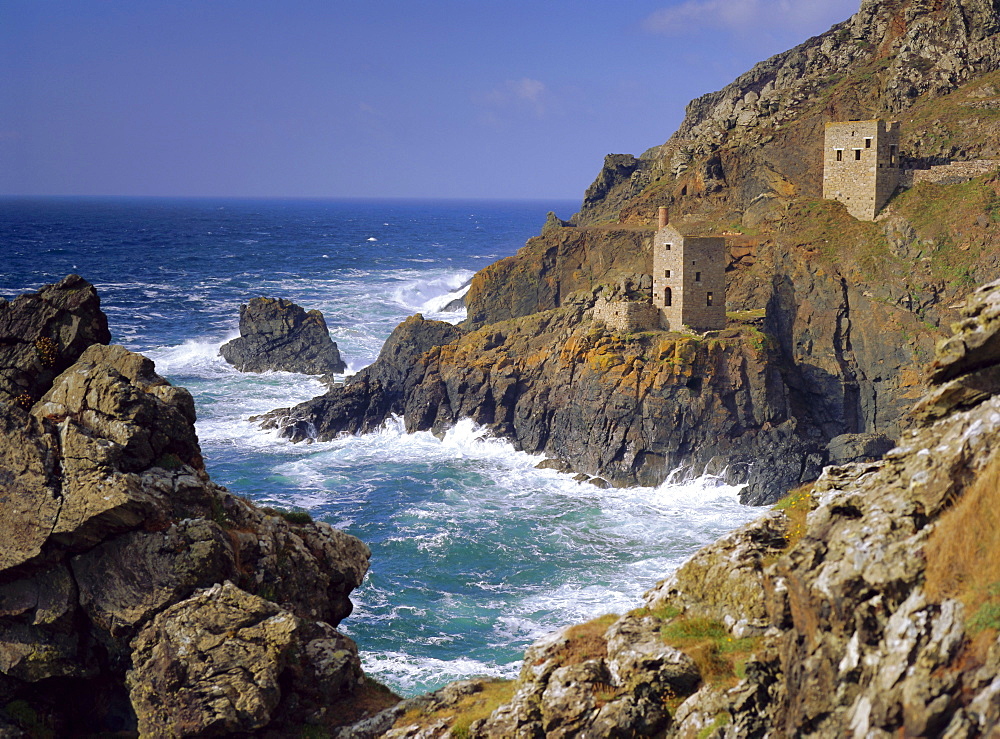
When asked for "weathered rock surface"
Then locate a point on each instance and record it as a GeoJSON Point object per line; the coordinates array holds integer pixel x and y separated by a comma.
{"type": "Point", "coordinates": [727, 577]}
{"type": "Point", "coordinates": [222, 662]}
{"type": "Point", "coordinates": [41, 334]}
{"type": "Point", "coordinates": [375, 393]}
{"type": "Point", "coordinates": [109, 522]}
{"type": "Point", "coordinates": [280, 335]}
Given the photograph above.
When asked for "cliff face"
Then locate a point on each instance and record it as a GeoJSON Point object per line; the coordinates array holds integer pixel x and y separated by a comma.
{"type": "Point", "coordinates": [120, 554]}
{"type": "Point", "coordinates": [746, 162]}
{"type": "Point", "coordinates": [558, 384]}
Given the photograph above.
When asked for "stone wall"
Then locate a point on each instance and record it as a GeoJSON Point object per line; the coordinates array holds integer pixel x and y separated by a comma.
{"type": "Point", "coordinates": [626, 316]}
{"type": "Point", "coordinates": [689, 279]}
{"type": "Point", "coordinates": [948, 173]}
{"type": "Point", "coordinates": [861, 165]}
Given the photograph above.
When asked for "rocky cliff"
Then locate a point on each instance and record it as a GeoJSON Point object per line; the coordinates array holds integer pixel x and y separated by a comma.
{"type": "Point", "coordinates": [759, 138]}
{"type": "Point", "coordinates": [557, 383]}
{"type": "Point", "coordinates": [135, 593]}
{"type": "Point", "coordinates": [866, 604]}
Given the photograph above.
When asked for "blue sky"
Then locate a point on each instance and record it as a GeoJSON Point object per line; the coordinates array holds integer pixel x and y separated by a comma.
{"type": "Point", "coordinates": [369, 98]}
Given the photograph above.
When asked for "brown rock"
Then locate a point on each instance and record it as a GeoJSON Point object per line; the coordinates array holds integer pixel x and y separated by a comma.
{"type": "Point", "coordinates": [216, 663]}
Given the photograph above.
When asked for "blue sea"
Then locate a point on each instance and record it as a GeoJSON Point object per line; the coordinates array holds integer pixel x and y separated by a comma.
{"type": "Point", "coordinates": [475, 553]}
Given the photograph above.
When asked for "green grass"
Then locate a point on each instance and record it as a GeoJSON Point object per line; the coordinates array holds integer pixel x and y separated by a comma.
{"type": "Point", "coordinates": [720, 656]}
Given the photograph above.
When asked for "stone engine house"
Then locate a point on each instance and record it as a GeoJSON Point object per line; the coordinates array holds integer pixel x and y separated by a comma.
{"type": "Point", "coordinates": [861, 165]}
{"type": "Point", "coordinates": [689, 278]}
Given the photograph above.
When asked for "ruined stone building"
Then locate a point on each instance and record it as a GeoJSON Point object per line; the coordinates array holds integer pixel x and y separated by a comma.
{"type": "Point", "coordinates": [689, 278]}
{"type": "Point", "coordinates": [861, 165]}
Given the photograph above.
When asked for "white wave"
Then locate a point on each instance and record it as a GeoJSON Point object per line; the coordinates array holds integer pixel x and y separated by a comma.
{"type": "Point", "coordinates": [198, 357]}
{"type": "Point", "coordinates": [409, 673]}
{"type": "Point", "coordinates": [424, 293]}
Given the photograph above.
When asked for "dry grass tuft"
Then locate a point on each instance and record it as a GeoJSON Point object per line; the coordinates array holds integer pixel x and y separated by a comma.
{"type": "Point", "coordinates": [585, 641]}
{"type": "Point", "coordinates": [963, 551]}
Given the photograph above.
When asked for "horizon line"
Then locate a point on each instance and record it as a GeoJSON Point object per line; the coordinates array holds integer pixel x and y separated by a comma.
{"type": "Point", "coordinates": [323, 198]}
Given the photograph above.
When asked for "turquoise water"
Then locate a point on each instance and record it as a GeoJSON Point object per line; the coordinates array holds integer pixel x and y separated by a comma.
{"type": "Point", "coordinates": [475, 553]}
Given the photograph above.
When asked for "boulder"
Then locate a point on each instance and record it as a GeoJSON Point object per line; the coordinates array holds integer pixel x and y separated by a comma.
{"type": "Point", "coordinates": [223, 661]}
{"type": "Point", "coordinates": [278, 335]}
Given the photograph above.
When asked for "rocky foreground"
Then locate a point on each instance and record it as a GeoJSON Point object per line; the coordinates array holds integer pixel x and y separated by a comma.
{"type": "Point", "coordinates": [135, 594]}
{"type": "Point", "coordinates": [866, 605]}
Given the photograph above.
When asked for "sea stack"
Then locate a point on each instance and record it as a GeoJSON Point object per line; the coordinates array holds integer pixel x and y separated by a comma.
{"type": "Point", "coordinates": [278, 335]}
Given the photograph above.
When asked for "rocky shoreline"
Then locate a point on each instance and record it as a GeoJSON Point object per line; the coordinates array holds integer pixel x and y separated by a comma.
{"type": "Point", "coordinates": [135, 594]}
{"type": "Point", "coordinates": [138, 597]}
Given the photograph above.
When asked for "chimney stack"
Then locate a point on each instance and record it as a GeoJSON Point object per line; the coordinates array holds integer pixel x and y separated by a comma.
{"type": "Point", "coordinates": [663, 216]}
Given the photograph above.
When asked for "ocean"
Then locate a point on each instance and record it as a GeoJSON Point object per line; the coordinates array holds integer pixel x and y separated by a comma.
{"type": "Point", "coordinates": [475, 553]}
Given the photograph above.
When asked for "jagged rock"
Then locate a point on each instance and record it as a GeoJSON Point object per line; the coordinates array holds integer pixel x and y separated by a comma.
{"type": "Point", "coordinates": [42, 333]}
{"type": "Point", "coordinates": [368, 398]}
{"type": "Point", "coordinates": [726, 577]}
{"type": "Point", "coordinates": [223, 661]}
{"type": "Point", "coordinates": [858, 447]}
{"type": "Point", "coordinates": [280, 335]}
{"type": "Point", "coordinates": [618, 695]}
{"type": "Point", "coordinates": [109, 519]}
{"type": "Point", "coordinates": [975, 345]}
{"type": "Point", "coordinates": [638, 657]}
{"type": "Point", "coordinates": [618, 168]}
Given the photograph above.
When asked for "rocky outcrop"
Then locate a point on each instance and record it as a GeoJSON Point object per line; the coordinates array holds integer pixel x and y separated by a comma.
{"type": "Point", "coordinates": [372, 395]}
{"type": "Point", "coordinates": [827, 319]}
{"type": "Point", "coordinates": [278, 335]}
{"type": "Point", "coordinates": [849, 625]}
{"type": "Point", "coordinates": [41, 334]}
{"type": "Point", "coordinates": [119, 550]}
{"type": "Point", "coordinates": [628, 409]}
{"type": "Point", "coordinates": [560, 266]}
{"type": "Point", "coordinates": [225, 662]}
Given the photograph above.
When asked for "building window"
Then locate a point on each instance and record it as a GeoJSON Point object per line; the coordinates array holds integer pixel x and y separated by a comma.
{"type": "Point", "coordinates": [868, 143]}
{"type": "Point", "coordinates": [666, 273]}
{"type": "Point", "coordinates": [857, 155]}
{"type": "Point", "coordinates": [667, 247]}
{"type": "Point", "coordinates": [708, 298]}
{"type": "Point", "coordinates": [840, 155]}
{"type": "Point", "coordinates": [892, 154]}
{"type": "Point", "coordinates": [697, 276]}
{"type": "Point", "coordinates": [667, 296]}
